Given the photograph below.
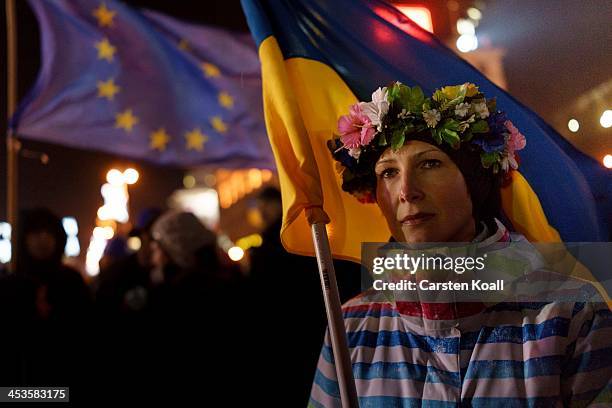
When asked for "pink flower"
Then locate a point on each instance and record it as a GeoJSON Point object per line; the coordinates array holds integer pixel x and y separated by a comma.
{"type": "Point", "coordinates": [356, 128]}
{"type": "Point", "coordinates": [516, 141]}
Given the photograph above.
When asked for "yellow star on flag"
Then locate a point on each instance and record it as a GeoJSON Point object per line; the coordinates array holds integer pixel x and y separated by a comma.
{"type": "Point", "coordinates": [125, 120]}
{"type": "Point", "coordinates": [195, 139]}
{"type": "Point", "coordinates": [104, 15]}
{"type": "Point", "coordinates": [218, 124]}
{"type": "Point", "coordinates": [107, 89]}
{"type": "Point", "coordinates": [226, 100]}
{"type": "Point", "coordinates": [210, 70]}
{"type": "Point", "coordinates": [159, 139]}
{"type": "Point", "coordinates": [105, 50]}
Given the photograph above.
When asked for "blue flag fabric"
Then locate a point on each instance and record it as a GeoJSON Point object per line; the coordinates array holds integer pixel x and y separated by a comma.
{"type": "Point", "coordinates": [369, 43]}
{"type": "Point", "coordinates": [145, 86]}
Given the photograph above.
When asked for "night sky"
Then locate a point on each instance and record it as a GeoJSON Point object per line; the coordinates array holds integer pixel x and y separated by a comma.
{"type": "Point", "coordinates": [555, 51]}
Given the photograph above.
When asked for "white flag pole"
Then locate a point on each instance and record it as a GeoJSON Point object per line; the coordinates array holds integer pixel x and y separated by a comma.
{"type": "Point", "coordinates": [335, 322]}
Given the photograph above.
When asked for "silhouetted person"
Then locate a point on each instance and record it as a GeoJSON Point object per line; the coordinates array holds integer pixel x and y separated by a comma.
{"type": "Point", "coordinates": [286, 294]}
{"type": "Point", "coordinates": [189, 342]}
{"type": "Point", "coordinates": [122, 295]}
{"type": "Point", "coordinates": [45, 308]}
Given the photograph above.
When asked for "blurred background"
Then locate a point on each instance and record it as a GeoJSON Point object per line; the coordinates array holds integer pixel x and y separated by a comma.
{"type": "Point", "coordinates": [554, 57]}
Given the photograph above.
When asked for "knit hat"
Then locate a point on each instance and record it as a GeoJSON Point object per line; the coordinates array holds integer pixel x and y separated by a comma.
{"type": "Point", "coordinates": [181, 235]}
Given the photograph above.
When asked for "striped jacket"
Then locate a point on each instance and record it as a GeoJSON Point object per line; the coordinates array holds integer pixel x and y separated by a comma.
{"type": "Point", "coordinates": [519, 354]}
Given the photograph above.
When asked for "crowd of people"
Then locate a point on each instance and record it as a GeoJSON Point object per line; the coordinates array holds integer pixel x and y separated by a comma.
{"type": "Point", "coordinates": [174, 319]}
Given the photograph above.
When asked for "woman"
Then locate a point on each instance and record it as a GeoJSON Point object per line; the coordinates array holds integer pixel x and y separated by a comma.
{"type": "Point", "coordinates": [435, 166]}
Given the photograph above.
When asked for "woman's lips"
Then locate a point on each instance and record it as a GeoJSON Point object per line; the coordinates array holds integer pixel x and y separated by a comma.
{"type": "Point", "coordinates": [417, 218]}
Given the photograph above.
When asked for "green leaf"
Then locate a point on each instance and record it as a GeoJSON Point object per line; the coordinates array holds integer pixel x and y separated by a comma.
{"type": "Point", "coordinates": [397, 139]}
{"type": "Point", "coordinates": [488, 159]}
{"type": "Point", "coordinates": [426, 105]}
{"type": "Point", "coordinates": [480, 126]}
{"type": "Point", "coordinates": [451, 124]}
{"type": "Point", "coordinates": [435, 133]}
{"type": "Point", "coordinates": [393, 93]}
{"type": "Point", "coordinates": [415, 99]}
{"type": "Point", "coordinates": [467, 136]}
{"type": "Point", "coordinates": [451, 137]}
{"type": "Point", "coordinates": [438, 96]}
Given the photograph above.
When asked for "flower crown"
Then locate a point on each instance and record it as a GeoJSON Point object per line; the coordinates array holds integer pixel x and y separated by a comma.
{"type": "Point", "coordinates": [455, 115]}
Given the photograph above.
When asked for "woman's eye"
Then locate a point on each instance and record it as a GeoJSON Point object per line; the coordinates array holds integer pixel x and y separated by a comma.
{"type": "Point", "coordinates": [388, 173]}
{"type": "Point", "coordinates": [430, 164]}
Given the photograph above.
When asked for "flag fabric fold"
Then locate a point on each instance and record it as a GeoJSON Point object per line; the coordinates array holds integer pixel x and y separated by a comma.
{"type": "Point", "coordinates": [146, 86]}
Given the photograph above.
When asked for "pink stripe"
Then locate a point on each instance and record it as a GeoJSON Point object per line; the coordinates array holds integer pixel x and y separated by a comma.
{"type": "Point", "coordinates": [317, 394]}
{"type": "Point", "coordinates": [389, 387]}
{"type": "Point", "coordinates": [511, 387]}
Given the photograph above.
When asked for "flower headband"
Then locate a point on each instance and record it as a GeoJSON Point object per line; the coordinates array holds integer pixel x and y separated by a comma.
{"type": "Point", "coordinates": [455, 115]}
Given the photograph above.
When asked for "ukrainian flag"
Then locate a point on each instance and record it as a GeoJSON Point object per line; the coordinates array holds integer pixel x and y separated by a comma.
{"type": "Point", "coordinates": [318, 57]}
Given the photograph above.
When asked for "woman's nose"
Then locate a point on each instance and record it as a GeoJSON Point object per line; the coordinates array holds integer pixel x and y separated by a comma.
{"type": "Point", "coordinates": [410, 190]}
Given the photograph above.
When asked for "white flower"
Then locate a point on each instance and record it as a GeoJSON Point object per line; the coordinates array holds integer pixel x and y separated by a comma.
{"type": "Point", "coordinates": [378, 108]}
{"type": "Point", "coordinates": [403, 114]}
{"type": "Point", "coordinates": [464, 124]}
{"type": "Point", "coordinates": [505, 164]}
{"type": "Point", "coordinates": [481, 109]}
{"type": "Point", "coordinates": [462, 109]}
{"type": "Point", "coordinates": [355, 152]}
{"type": "Point", "coordinates": [432, 117]}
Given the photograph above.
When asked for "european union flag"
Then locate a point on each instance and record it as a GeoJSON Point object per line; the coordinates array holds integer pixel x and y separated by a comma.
{"type": "Point", "coordinates": [146, 86]}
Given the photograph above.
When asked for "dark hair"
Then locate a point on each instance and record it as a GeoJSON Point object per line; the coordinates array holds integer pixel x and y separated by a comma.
{"type": "Point", "coordinates": [36, 220]}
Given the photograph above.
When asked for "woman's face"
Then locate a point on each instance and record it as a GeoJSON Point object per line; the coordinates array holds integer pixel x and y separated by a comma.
{"type": "Point", "coordinates": [423, 195]}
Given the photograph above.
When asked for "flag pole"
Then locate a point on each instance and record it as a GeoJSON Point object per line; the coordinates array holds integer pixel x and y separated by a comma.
{"type": "Point", "coordinates": [337, 331]}
{"type": "Point", "coordinates": [12, 144]}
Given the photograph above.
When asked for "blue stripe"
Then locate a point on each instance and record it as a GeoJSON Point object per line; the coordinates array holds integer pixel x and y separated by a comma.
{"type": "Point", "coordinates": [558, 326]}
{"type": "Point", "coordinates": [328, 354]}
{"type": "Point", "coordinates": [398, 402]}
{"type": "Point", "coordinates": [534, 367]}
{"type": "Point", "coordinates": [387, 338]}
{"type": "Point", "coordinates": [405, 371]}
{"type": "Point", "coordinates": [589, 361]}
{"type": "Point", "coordinates": [537, 402]}
{"type": "Point", "coordinates": [330, 387]}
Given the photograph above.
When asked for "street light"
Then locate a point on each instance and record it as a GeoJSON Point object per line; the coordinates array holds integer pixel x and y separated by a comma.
{"type": "Point", "coordinates": [114, 177]}
{"type": "Point", "coordinates": [235, 253]}
{"type": "Point", "coordinates": [467, 42]}
{"type": "Point", "coordinates": [474, 13]}
{"type": "Point", "coordinates": [606, 119]}
{"type": "Point", "coordinates": [573, 125]}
